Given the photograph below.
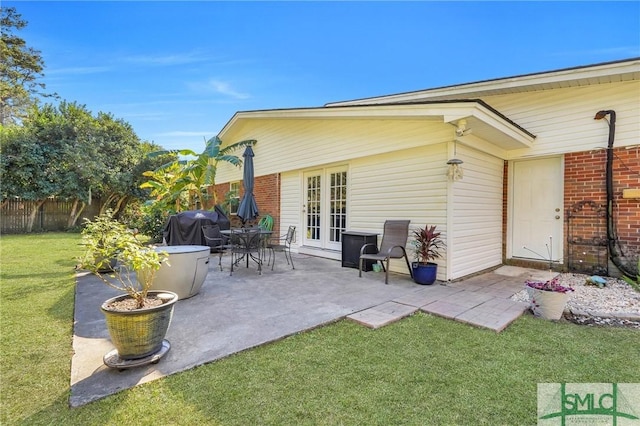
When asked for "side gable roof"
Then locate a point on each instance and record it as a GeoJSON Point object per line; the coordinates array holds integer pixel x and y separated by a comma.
{"type": "Point", "coordinates": [607, 72]}
{"type": "Point", "coordinates": [455, 104]}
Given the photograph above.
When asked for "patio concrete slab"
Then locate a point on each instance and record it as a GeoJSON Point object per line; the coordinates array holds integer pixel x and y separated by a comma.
{"type": "Point", "coordinates": [229, 315]}
{"type": "Point", "coordinates": [235, 313]}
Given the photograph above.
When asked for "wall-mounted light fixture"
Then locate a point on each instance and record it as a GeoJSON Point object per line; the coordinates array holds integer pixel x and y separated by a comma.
{"type": "Point", "coordinates": [455, 172]}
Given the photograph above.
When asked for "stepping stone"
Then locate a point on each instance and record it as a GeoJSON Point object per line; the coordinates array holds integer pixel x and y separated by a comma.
{"type": "Point", "coordinates": [495, 314]}
{"type": "Point", "coordinates": [381, 315]}
{"type": "Point", "coordinates": [427, 295]}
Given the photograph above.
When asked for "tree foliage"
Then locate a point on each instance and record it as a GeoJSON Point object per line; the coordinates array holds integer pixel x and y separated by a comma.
{"type": "Point", "coordinates": [66, 152]}
{"type": "Point", "coordinates": [21, 69]}
{"type": "Point", "coordinates": [193, 176]}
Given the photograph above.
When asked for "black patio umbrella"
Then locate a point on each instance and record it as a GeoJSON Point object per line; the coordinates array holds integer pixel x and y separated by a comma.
{"type": "Point", "coordinates": [248, 209]}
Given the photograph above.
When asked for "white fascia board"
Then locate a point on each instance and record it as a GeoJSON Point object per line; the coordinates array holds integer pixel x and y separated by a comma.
{"type": "Point", "coordinates": [500, 124]}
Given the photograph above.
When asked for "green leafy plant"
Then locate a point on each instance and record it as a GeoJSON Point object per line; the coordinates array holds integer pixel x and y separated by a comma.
{"type": "Point", "coordinates": [197, 173]}
{"type": "Point", "coordinates": [634, 282]}
{"type": "Point", "coordinates": [427, 244]}
{"type": "Point", "coordinates": [106, 239]}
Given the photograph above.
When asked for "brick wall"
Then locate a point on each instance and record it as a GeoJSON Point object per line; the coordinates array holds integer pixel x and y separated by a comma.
{"type": "Point", "coordinates": [585, 180]}
{"type": "Point", "coordinates": [267, 193]}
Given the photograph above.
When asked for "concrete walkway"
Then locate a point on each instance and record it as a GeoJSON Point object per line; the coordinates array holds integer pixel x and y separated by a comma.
{"type": "Point", "coordinates": [232, 314]}
{"type": "Point", "coordinates": [482, 301]}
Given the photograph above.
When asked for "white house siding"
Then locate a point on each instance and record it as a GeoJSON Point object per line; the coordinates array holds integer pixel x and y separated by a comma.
{"type": "Point", "coordinates": [475, 231]}
{"type": "Point", "coordinates": [290, 195]}
{"type": "Point", "coordinates": [562, 119]}
{"type": "Point", "coordinates": [294, 144]}
{"type": "Point", "coordinates": [396, 170]}
{"type": "Point", "coordinates": [407, 184]}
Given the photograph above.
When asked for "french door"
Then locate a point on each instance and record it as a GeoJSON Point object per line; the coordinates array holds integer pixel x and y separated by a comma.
{"type": "Point", "coordinates": [325, 207]}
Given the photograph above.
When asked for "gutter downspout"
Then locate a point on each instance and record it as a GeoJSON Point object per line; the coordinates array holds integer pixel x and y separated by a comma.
{"type": "Point", "coordinates": [614, 256]}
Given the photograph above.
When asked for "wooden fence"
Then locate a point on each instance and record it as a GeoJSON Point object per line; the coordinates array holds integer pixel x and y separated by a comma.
{"type": "Point", "coordinates": [53, 215]}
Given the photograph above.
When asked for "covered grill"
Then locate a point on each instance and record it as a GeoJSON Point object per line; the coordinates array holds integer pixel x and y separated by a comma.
{"type": "Point", "coordinates": [185, 228]}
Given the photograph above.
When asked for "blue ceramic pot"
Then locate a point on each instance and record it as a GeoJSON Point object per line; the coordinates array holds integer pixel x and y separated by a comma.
{"type": "Point", "coordinates": [424, 273]}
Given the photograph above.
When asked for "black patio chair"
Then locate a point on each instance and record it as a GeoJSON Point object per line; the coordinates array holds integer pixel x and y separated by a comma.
{"type": "Point", "coordinates": [282, 244]}
{"type": "Point", "coordinates": [218, 242]}
{"type": "Point", "coordinates": [394, 240]}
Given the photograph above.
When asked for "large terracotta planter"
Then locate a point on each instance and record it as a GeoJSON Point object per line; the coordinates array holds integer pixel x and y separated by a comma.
{"type": "Point", "coordinates": [139, 333]}
{"type": "Point", "coordinates": [547, 304]}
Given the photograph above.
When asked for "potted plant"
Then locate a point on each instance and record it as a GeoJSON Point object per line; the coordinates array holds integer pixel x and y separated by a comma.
{"type": "Point", "coordinates": [138, 320]}
{"type": "Point", "coordinates": [427, 245]}
{"type": "Point", "coordinates": [548, 298]}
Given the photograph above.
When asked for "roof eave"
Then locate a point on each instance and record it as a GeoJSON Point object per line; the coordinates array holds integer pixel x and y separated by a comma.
{"type": "Point", "coordinates": [484, 121]}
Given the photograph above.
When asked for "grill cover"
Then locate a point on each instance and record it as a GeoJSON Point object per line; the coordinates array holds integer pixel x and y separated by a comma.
{"type": "Point", "coordinates": [186, 228]}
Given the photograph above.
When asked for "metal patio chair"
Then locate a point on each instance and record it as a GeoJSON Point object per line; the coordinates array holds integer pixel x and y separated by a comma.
{"type": "Point", "coordinates": [219, 243]}
{"type": "Point", "coordinates": [282, 244]}
{"type": "Point", "coordinates": [394, 240]}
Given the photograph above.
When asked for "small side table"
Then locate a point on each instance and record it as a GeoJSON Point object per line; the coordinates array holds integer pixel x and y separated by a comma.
{"type": "Point", "coordinates": [352, 242]}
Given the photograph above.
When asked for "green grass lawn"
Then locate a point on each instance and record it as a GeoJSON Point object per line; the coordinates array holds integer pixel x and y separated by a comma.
{"type": "Point", "coordinates": [422, 370]}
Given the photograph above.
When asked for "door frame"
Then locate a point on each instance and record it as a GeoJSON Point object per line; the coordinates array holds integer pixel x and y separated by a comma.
{"type": "Point", "coordinates": [324, 242]}
{"type": "Point", "coordinates": [559, 256]}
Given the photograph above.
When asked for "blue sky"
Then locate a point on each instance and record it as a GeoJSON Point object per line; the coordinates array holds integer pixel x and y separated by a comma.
{"type": "Point", "coordinates": [178, 71]}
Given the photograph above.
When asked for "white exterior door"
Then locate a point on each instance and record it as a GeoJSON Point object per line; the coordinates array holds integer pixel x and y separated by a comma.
{"type": "Point", "coordinates": [325, 207]}
{"type": "Point", "coordinates": [312, 209]}
{"type": "Point", "coordinates": [537, 218]}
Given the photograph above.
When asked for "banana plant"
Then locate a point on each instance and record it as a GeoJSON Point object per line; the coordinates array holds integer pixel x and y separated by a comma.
{"type": "Point", "coordinates": [199, 173]}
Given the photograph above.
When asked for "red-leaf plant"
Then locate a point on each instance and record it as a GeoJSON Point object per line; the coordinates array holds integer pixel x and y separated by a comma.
{"type": "Point", "coordinates": [427, 244]}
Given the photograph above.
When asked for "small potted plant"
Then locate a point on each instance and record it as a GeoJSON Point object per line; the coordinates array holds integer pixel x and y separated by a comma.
{"type": "Point", "coordinates": [548, 298]}
{"type": "Point", "coordinates": [427, 245]}
{"type": "Point", "coordinates": [138, 320]}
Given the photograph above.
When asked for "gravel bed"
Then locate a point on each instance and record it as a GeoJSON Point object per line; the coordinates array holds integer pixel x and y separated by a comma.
{"type": "Point", "coordinates": [615, 304]}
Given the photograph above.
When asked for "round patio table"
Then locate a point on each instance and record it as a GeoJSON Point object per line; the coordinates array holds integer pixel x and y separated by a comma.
{"type": "Point", "coordinates": [245, 241]}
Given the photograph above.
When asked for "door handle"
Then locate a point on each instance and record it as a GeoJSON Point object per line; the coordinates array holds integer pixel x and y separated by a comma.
{"type": "Point", "coordinates": [557, 216]}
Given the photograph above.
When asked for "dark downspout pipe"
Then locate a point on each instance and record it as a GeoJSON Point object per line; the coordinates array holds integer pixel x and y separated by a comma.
{"type": "Point", "coordinates": [611, 229]}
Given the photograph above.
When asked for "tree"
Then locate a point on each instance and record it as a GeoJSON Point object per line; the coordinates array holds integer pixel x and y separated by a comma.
{"type": "Point", "coordinates": [199, 173]}
{"type": "Point", "coordinates": [65, 152]}
{"type": "Point", "coordinates": [28, 168]}
{"type": "Point", "coordinates": [20, 69]}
